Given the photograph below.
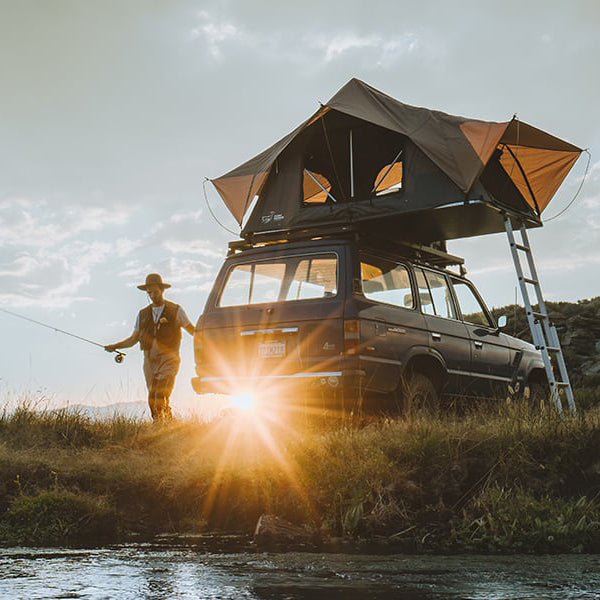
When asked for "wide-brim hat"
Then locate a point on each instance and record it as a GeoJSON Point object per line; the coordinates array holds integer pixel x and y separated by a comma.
{"type": "Point", "coordinates": [153, 279]}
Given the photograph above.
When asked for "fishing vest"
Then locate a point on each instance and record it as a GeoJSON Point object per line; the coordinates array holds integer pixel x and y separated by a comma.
{"type": "Point", "coordinates": [166, 332]}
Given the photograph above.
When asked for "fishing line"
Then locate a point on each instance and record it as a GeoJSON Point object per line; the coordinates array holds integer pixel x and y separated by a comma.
{"type": "Point", "coordinates": [118, 357]}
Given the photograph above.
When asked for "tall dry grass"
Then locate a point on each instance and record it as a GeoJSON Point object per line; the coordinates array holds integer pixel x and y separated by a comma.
{"type": "Point", "coordinates": [499, 477]}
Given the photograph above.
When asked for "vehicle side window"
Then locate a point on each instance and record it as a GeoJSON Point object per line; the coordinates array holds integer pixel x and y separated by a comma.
{"type": "Point", "coordinates": [386, 281]}
{"type": "Point", "coordinates": [470, 306]}
{"type": "Point", "coordinates": [424, 293]}
{"type": "Point", "coordinates": [439, 293]}
{"type": "Point", "coordinates": [313, 278]}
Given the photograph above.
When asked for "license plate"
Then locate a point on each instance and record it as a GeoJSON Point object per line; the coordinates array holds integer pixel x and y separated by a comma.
{"type": "Point", "coordinates": [271, 349]}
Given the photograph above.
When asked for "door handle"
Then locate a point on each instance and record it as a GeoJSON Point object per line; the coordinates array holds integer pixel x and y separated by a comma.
{"type": "Point", "coordinates": [478, 345]}
{"type": "Point", "coordinates": [381, 329]}
{"type": "Point", "coordinates": [436, 336]}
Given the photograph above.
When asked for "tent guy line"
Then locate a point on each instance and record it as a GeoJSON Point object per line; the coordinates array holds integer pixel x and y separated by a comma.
{"type": "Point", "coordinates": [119, 355]}
{"type": "Point", "coordinates": [210, 210]}
{"type": "Point", "coordinates": [585, 174]}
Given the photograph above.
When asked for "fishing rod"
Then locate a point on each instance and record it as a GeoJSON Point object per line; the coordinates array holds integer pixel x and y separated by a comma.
{"type": "Point", "coordinates": [118, 358]}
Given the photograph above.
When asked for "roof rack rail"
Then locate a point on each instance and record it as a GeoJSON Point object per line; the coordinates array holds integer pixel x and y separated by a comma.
{"type": "Point", "coordinates": [434, 253]}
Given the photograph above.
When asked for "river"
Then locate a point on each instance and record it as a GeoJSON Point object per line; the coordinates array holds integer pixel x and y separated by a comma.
{"type": "Point", "coordinates": [158, 572]}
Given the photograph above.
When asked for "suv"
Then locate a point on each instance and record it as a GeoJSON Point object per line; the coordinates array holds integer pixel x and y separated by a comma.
{"type": "Point", "coordinates": [348, 323]}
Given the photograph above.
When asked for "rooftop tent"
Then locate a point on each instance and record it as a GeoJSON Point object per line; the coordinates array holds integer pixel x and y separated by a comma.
{"type": "Point", "coordinates": [365, 158]}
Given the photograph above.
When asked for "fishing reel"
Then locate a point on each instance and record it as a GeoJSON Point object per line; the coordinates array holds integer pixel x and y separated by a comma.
{"type": "Point", "coordinates": [119, 357]}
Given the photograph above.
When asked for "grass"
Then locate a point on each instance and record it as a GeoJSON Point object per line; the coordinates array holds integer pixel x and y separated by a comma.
{"type": "Point", "coordinates": [500, 478]}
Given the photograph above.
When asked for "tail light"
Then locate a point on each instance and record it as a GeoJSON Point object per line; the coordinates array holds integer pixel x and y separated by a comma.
{"type": "Point", "coordinates": [351, 336]}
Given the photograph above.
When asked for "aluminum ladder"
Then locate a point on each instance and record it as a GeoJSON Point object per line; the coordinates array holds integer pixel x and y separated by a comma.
{"type": "Point", "coordinates": [543, 331]}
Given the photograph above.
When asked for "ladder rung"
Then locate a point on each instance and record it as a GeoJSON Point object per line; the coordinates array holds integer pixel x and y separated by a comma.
{"type": "Point", "coordinates": [542, 329]}
{"type": "Point", "coordinates": [522, 247]}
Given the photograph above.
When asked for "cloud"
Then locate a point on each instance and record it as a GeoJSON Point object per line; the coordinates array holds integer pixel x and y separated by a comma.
{"type": "Point", "coordinates": [184, 274]}
{"type": "Point", "coordinates": [48, 252]}
{"type": "Point", "coordinates": [215, 34]}
{"type": "Point", "coordinates": [343, 43]}
{"type": "Point", "coordinates": [124, 246]}
{"type": "Point", "coordinates": [187, 216]}
{"type": "Point", "coordinates": [371, 48]}
{"type": "Point", "coordinates": [200, 247]}
{"type": "Point", "coordinates": [51, 277]}
{"type": "Point", "coordinates": [40, 223]}
{"type": "Point", "coordinates": [291, 42]}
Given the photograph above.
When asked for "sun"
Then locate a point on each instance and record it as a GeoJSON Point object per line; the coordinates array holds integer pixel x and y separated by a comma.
{"type": "Point", "coordinates": [243, 401]}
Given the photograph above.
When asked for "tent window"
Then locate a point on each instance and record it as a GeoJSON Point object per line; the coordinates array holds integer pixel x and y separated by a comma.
{"type": "Point", "coordinates": [388, 179]}
{"type": "Point", "coordinates": [313, 192]}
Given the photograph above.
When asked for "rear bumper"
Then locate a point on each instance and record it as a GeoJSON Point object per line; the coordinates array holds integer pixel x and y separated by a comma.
{"type": "Point", "coordinates": [307, 382]}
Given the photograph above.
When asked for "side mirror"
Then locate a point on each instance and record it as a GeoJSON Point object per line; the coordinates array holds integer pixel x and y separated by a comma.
{"type": "Point", "coordinates": [502, 322]}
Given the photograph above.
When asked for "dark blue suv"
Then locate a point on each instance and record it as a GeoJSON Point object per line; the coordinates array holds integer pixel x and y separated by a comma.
{"type": "Point", "coordinates": [346, 323]}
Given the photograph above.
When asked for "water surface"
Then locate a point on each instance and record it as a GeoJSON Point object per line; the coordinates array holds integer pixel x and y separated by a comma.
{"type": "Point", "coordinates": [149, 572]}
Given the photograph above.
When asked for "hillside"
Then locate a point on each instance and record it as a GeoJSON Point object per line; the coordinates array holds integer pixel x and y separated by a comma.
{"type": "Point", "coordinates": [578, 326]}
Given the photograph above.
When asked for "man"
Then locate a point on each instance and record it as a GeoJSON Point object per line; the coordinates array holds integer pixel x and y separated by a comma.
{"type": "Point", "coordinates": [158, 330]}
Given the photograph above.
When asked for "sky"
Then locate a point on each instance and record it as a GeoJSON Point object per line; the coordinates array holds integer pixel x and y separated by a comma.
{"type": "Point", "coordinates": [113, 113]}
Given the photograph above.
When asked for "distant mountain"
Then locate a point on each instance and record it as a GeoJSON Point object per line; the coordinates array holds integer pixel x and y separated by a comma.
{"type": "Point", "coordinates": [201, 407]}
{"type": "Point", "coordinates": [131, 410]}
{"type": "Point", "coordinates": [578, 327]}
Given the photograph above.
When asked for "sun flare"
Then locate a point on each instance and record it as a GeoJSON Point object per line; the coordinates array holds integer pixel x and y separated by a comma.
{"type": "Point", "coordinates": [244, 401]}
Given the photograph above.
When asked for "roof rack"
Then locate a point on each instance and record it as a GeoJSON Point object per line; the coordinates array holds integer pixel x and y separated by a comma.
{"type": "Point", "coordinates": [434, 253]}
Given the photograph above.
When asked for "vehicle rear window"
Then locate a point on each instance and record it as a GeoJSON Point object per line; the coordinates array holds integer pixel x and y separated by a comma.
{"type": "Point", "coordinates": [282, 279]}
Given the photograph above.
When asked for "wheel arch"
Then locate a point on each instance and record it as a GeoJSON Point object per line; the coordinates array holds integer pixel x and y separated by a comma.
{"type": "Point", "coordinates": [536, 375]}
{"type": "Point", "coordinates": [428, 364]}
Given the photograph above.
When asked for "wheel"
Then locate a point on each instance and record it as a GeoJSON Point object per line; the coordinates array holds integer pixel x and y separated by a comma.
{"type": "Point", "coordinates": [536, 393]}
{"type": "Point", "coordinates": [419, 395]}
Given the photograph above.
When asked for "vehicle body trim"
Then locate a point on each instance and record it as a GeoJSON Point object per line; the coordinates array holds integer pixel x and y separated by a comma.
{"type": "Point", "coordinates": [271, 330]}
{"type": "Point", "coordinates": [260, 377]}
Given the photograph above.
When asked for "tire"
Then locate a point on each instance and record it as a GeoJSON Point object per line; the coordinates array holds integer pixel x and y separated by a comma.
{"type": "Point", "coordinates": [536, 393]}
{"type": "Point", "coordinates": [419, 396]}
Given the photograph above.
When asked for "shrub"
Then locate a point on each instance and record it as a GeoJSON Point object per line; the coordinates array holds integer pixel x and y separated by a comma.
{"type": "Point", "coordinates": [57, 517]}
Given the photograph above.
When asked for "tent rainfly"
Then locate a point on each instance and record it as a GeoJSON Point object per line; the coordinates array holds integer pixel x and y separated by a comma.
{"type": "Point", "coordinates": [366, 159]}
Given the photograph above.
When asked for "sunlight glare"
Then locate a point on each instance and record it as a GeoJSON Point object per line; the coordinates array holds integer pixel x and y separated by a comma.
{"type": "Point", "coordinates": [243, 401]}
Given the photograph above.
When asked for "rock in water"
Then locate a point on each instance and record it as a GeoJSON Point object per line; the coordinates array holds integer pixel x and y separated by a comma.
{"type": "Point", "coordinates": [275, 533]}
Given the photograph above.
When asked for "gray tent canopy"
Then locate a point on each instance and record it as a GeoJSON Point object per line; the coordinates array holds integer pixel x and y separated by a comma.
{"type": "Point", "coordinates": [367, 159]}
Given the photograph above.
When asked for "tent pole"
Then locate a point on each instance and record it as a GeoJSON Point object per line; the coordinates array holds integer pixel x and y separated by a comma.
{"type": "Point", "coordinates": [337, 176]}
{"type": "Point", "coordinates": [387, 171]}
{"type": "Point", "coordinates": [537, 208]}
{"type": "Point", "coordinates": [351, 169]}
{"type": "Point", "coordinates": [319, 184]}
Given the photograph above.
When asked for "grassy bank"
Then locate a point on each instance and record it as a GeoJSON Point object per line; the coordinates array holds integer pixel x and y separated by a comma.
{"type": "Point", "coordinates": [498, 479]}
